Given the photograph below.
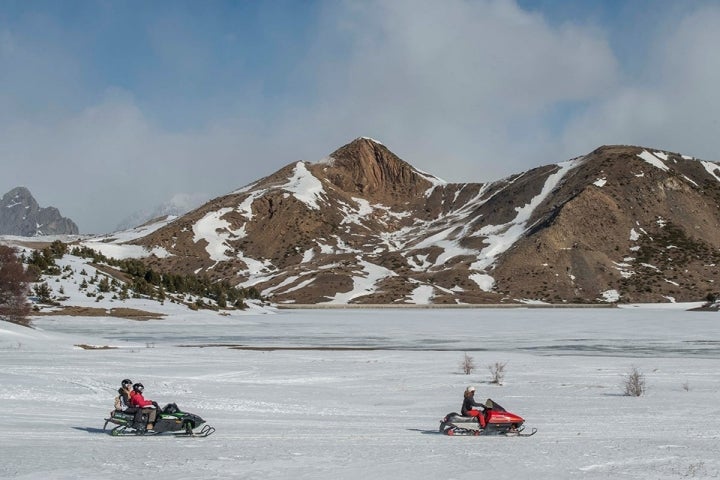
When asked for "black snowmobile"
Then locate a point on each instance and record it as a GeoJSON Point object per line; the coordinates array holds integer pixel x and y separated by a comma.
{"type": "Point", "coordinates": [169, 420]}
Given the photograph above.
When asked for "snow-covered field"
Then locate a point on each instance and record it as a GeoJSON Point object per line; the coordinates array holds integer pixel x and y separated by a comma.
{"type": "Point", "coordinates": [305, 413]}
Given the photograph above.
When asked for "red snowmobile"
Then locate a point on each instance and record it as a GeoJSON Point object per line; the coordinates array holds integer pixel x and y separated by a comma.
{"type": "Point", "coordinates": [498, 421]}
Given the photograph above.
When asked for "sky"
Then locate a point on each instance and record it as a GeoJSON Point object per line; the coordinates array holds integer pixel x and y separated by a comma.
{"type": "Point", "coordinates": [110, 108]}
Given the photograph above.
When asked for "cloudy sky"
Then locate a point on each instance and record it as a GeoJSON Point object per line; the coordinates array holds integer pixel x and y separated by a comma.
{"type": "Point", "coordinates": [108, 107]}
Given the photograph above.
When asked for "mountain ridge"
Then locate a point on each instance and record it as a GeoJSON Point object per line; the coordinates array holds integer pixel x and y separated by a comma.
{"type": "Point", "coordinates": [364, 226]}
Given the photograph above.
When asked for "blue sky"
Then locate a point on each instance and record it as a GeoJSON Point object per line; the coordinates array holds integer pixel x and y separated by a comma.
{"type": "Point", "coordinates": [108, 107]}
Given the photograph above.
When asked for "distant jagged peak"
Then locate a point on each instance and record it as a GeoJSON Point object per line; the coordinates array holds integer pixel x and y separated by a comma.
{"type": "Point", "coordinates": [19, 196]}
{"type": "Point", "coordinates": [19, 191]}
{"type": "Point", "coordinates": [20, 214]}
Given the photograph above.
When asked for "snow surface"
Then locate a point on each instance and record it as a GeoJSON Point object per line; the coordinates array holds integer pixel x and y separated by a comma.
{"type": "Point", "coordinates": [304, 413]}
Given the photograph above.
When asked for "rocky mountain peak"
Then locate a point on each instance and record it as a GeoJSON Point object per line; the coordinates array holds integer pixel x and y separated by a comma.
{"type": "Point", "coordinates": [367, 167]}
{"type": "Point", "coordinates": [20, 214]}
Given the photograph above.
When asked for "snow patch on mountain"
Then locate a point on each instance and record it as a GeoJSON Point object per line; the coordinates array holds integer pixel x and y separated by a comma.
{"type": "Point", "coordinates": [356, 214]}
{"type": "Point", "coordinates": [304, 186]}
{"type": "Point", "coordinates": [501, 237]}
{"type": "Point", "coordinates": [422, 295]}
{"type": "Point", "coordinates": [364, 282]}
{"type": "Point", "coordinates": [215, 231]}
{"type": "Point", "coordinates": [653, 160]}
{"type": "Point", "coordinates": [712, 168]}
{"type": "Point", "coordinates": [245, 207]}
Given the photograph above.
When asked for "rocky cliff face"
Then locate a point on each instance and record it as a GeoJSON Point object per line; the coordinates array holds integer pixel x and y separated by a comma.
{"type": "Point", "coordinates": [363, 226]}
{"type": "Point", "coordinates": [21, 215]}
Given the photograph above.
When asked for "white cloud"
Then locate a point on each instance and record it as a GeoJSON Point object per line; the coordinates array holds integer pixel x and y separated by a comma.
{"type": "Point", "coordinates": [109, 160]}
{"type": "Point", "coordinates": [466, 90]}
{"type": "Point", "coordinates": [673, 106]}
{"type": "Point", "coordinates": [457, 83]}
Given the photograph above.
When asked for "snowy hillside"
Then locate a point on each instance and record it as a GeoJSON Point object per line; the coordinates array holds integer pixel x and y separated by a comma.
{"type": "Point", "coordinates": [88, 280]}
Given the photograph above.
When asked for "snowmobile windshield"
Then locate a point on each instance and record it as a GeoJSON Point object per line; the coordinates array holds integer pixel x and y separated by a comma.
{"type": "Point", "coordinates": [494, 405]}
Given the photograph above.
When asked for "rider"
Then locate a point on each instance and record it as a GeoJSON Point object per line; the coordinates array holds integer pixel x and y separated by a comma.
{"type": "Point", "coordinates": [147, 406]}
{"type": "Point", "coordinates": [122, 403]}
{"type": "Point", "coordinates": [468, 405]}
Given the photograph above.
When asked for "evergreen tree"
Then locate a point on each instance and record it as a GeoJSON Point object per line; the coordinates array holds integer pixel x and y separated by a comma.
{"type": "Point", "coordinates": [43, 292]}
{"type": "Point", "coordinates": [104, 285]}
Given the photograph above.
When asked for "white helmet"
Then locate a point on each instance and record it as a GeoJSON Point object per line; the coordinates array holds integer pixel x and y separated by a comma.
{"type": "Point", "coordinates": [470, 389]}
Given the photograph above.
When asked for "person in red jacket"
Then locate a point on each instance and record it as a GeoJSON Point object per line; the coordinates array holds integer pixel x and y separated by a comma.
{"type": "Point", "coordinates": [147, 406]}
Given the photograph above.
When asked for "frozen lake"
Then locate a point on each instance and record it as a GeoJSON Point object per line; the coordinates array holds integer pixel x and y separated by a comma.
{"type": "Point", "coordinates": [619, 332]}
{"type": "Point", "coordinates": [358, 394]}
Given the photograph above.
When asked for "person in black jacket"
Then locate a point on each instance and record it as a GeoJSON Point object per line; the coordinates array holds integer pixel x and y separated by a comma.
{"type": "Point", "coordinates": [469, 404]}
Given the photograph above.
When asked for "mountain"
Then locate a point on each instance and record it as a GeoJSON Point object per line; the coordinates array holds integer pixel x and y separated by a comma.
{"type": "Point", "coordinates": [21, 215]}
{"type": "Point", "coordinates": [178, 205]}
{"type": "Point", "coordinates": [621, 223]}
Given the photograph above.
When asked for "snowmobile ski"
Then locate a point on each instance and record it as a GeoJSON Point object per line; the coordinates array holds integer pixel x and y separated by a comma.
{"type": "Point", "coordinates": [205, 431]}
{"type": "Point", "coordinates": [123, 431]}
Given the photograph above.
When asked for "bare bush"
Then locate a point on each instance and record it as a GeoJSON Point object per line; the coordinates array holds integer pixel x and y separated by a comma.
{"type": "Point", "coordinates": [497, 372]}
{"type": "Point", "coordinates": [634, 383]}
{"type": "Point", "coordinates": [14, 287]}
{"type": "Point", "coordinates": [468, 364]}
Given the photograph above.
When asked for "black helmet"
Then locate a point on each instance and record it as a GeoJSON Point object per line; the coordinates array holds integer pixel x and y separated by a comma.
{"type": "Point", "coordinates": [126, 383]}
{"type": "Point", "coordinates": [138, 387]}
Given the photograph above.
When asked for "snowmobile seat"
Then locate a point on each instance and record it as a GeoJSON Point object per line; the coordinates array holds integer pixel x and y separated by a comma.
{"type": "Point", "coordinates": [128, 410]}
{"type": "Point", "coordinates": [458, 417]}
